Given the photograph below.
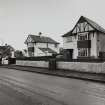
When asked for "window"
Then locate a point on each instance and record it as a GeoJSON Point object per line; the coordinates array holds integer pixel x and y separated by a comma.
{"type": "Point", "coordinates": [83, 52]}
{"type": "Point", "coordinates": [69, 39]}
{"type": "Point", "coordinates": [83, 36]}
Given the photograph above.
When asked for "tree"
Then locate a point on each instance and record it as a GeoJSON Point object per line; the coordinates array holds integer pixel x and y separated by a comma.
{"type": "Point", "coordinates": [6, 50]}
{"type": "Point", "coordinates": [18, 54]}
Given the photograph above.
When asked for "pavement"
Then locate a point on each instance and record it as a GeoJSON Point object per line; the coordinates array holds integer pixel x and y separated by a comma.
{"type": "Point", "coordinates": [97, 77]}
{"type": "Point", "coordinates": [19, 87]}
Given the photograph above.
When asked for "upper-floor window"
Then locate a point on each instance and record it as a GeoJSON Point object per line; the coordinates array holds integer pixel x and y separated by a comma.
{"type": "Point", "coordinates": [83, 36]}
{"type": "Point", "coordinates": [69, 39]}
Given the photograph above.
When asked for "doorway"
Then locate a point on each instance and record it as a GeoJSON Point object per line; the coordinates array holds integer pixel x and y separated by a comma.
{"type": "Point", "coordinates": [70, 53]}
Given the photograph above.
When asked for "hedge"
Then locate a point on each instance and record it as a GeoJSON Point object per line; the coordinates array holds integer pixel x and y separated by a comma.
{"type": "Point", "coordinates": [43, 58]}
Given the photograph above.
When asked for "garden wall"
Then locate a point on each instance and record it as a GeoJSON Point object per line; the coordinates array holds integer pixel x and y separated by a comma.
{"type": "Point", "coordinates": [76, 66]}
{"type": "Point", "coordinates": [43, 64]}
{"type": "Point", "coordinates": [82, 66]}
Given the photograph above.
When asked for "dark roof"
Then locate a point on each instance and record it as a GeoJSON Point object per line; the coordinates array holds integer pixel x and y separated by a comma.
{"type": "Point", "coordinates": [47, 50]}
{"type": "Point", "coordinates": [90, 22]}
{"type": "Point", "coordinates": [94, 25]}
{"type": "Point", "coordinates": [67, 34]}
{"type": "Point", "coordinates": [42, 39]}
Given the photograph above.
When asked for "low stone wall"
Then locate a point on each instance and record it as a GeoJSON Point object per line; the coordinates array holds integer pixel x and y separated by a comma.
{"type": "Point", "coordinates": [82, 66]}
{"type": "Point", "coordinates": [103, 67]}
{"type": "Point", "coordinates": [42, 64]}
{"type": "Point", "coordinates": [76, 66]}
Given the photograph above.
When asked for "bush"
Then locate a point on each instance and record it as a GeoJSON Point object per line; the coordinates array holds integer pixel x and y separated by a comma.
{"type": "Point", "coordinates": [12, 60]}
{"type": "Point", "coordinates": [18, 54]}
{"type": "Point", "coordinates": [44, 58]}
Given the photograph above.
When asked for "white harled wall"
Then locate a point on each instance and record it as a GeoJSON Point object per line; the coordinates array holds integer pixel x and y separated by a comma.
{"type": "Point", "coordinates": [38, 52]}
{"type": "Point", "coordinates": [93, 50]}
{"type": "Point", "coordinates": [74, 66]}
{"type": "Point", "coordinates": [101, 42]}
{"type": "Point", "coordinates": [71, 45]}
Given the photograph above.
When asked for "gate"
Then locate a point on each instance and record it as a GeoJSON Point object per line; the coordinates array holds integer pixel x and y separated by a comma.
{"type": "Point", "coordinates": [52, 64]}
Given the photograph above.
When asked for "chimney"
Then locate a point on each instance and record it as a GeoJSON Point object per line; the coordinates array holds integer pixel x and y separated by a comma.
{"type": "Point", "coordinates": [6, 44]}
{"type": "Point", "coordinates": [40, 34]}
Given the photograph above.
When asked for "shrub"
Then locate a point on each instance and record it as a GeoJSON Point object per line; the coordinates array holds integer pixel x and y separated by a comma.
{"type": "Point", "coordinates": [44, 58]}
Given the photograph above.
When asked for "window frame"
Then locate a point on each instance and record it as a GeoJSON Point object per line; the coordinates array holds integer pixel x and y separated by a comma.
{"type": "Point", "coordinates": [83, 52]}
{"type": "Point", "coordinates": [83, 36]}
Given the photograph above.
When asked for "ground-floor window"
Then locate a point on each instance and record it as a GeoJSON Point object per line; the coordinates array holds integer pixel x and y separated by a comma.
{"type": "Point", "coordinates": [83, 52]}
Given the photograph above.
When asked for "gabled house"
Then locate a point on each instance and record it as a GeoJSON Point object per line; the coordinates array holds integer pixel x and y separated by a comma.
{"type": "Point", "coordinates": [85, 40]}
{"type": "Point", "coordinates": [38, 45]}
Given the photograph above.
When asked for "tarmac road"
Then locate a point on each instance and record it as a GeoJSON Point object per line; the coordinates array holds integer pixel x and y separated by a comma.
{"type": "Point", "coordinates": [26, 88]}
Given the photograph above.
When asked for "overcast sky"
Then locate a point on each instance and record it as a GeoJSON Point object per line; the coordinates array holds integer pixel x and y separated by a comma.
{"type": "Point", "coordinates": [53, 18]}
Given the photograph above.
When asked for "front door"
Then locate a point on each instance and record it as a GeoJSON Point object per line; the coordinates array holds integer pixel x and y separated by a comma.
{"type": "Point", "coordinates": [71, 53]}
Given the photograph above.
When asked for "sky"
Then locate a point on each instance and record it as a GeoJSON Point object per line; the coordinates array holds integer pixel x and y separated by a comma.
{"type": "Point", "coordinates": [53, 18]}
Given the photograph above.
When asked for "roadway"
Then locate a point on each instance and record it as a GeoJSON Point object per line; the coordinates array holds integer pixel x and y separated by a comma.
{"type": "Point", "coordinates": [27, 88]}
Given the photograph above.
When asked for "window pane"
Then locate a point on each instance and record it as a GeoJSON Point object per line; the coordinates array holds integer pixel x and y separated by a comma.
{"type": "Point", "coordinates": [82, 52]}
{"type": "Point", "coordinates": [83, 36]}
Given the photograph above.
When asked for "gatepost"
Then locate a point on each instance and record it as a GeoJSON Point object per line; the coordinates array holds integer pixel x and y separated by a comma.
{"type": "Point", "coordinates": [52, 64]}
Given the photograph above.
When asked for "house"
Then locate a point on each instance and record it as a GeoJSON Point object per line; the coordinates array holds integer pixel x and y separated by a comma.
{"type": "Point", "coordinates": [38, 45]}
{"type": "Point", "coordinates": [85, 40]}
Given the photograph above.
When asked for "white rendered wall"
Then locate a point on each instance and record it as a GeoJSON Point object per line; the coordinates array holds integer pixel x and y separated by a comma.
{"type": "Point", "coordinates": [71, 45]}
{"type": "Point", "coordinates": [93, 50]}
{"type": "Point", "coordinates": [52, 46]}
{"type": "Point", "coordinates": [38, 52]}
{"type": "Point", "coordinates": [101, 42]}
{"type": "Point", "coordinates": [41, 45]}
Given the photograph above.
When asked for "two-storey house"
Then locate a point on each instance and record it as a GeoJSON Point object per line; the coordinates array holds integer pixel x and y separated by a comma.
{"type": "Point", "coordinates": [38, 45]}
{"type": "Point", "coordinates": [86, 39]}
